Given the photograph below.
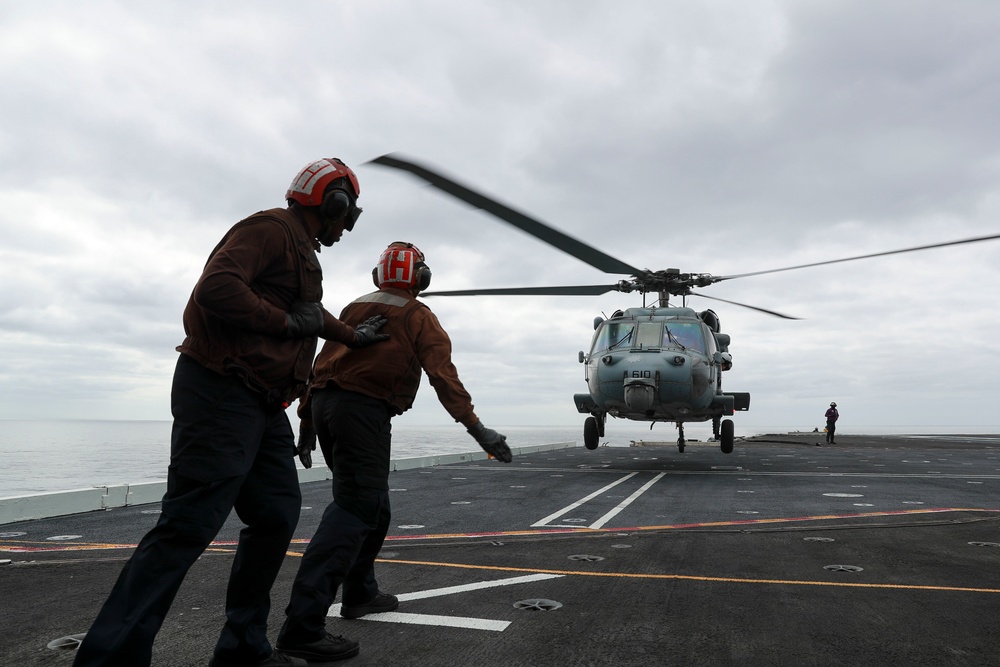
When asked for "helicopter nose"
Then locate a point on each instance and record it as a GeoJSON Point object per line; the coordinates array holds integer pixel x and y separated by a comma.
{"type": "Point", "coordinates": [639, 396]}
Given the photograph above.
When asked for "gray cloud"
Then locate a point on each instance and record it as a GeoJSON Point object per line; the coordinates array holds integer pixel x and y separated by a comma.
{"type": "Point", "coordinates": [721, 138]}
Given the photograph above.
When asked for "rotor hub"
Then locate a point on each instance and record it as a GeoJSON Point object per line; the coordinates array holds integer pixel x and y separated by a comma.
{"type": "Point", "coordinates": [667, 281]}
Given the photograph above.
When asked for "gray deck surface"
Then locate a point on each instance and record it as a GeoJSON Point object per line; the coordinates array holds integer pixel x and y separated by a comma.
{"type": "Point", "coordinates": [876, 551]}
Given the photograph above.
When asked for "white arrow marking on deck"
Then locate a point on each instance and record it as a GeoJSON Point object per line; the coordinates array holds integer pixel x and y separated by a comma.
{"type": "Point", "coordinates": [450, 621]}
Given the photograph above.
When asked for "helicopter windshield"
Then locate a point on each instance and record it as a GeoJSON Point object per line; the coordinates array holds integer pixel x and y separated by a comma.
{"type": "Point", "coordinates": [687, 335]}
{"type": "Point", "coordinates": [612, 335]}
{"type": "Point", "coordinates": [648, 336]}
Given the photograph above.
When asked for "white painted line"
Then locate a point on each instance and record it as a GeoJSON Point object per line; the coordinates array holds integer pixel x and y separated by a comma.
{"type": "Point", "coordinates": [451, 590]}
{"type": "Point", "coordinates": [450, 621]}
{"type": "Point", "coordinates": [625, 503]}
{"type": "Point", "coordinates": [431, 619]}
{"type": "Point", "coordinates": [565, 510]}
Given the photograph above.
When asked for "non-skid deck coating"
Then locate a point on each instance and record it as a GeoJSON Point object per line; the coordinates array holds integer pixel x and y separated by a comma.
{"type": "Point", "coordinates": [876, 551]}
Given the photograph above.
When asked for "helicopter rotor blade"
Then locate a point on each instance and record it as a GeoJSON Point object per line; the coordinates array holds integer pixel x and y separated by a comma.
{"type": "Point", "coordinates": [536, 228]}
{"type": "Point", "coordinates": [975, 239]}
{"type": "Point", "coordinates": [570, 290]}
{"type": "Point", "coordinates": [743, 305]}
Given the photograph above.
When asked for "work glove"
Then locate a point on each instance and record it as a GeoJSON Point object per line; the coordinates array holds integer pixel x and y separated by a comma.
{"type": "Point", "coordinates": [304, 320]}
{"type": "Point", "coordinates": [307, 443]}
{"type": "Point", "coordinates": [492, 442]}
{"type": "Point", "coordinates": [366, 333]}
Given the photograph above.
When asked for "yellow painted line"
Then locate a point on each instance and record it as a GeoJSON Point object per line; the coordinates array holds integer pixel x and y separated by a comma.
{"type": "Point", "coordinates": [18, 547]}
{"type": "Point", "coordinates": [36, 546]}
{"type": "Point", "coordinates": [684, 577]}
{"type": "Point", "coordinates": [684, 526]}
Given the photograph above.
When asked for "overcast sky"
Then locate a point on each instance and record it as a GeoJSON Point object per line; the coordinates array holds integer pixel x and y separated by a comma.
{"type": "Point", "coordinates": [722, 137]}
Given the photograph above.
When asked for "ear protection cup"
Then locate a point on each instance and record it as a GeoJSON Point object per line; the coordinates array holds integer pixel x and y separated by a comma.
{"type": "Point", "coordinates": [335, 205]}
{"type": "Point", "coordinates": [423, 279]}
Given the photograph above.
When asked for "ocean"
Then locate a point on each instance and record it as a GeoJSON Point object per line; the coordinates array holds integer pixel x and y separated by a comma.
{"type": "Point", "coordinates": [60, 455]}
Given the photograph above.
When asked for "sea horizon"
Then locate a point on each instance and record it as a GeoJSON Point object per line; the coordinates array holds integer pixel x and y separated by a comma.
{"type": "Point", "coordinates": [39, 456]}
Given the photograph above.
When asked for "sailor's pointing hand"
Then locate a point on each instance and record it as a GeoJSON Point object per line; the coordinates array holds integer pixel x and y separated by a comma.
{"type": "Point", "coordinates": [493, 443]}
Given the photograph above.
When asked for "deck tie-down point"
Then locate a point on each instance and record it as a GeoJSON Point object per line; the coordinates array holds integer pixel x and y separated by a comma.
{"type": "Point", "coordinates": [537, 604]}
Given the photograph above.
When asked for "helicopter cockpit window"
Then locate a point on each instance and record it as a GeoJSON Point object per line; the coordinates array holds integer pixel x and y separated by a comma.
{"type": "Point", "coordinates": [649, 336]}
{"type": "Point", "coordinates": [687, 335]}
{"type": "Point", "coordinates": [613, 335]}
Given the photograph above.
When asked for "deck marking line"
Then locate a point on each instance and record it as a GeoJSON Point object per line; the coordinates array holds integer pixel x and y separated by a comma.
{"type": "Point", "coordinates": [688, 577]}
{"type": "Point", "coordinates": [625, 503]}
{"type": "Point", "coordinates": [451, 590]}
{"type": "Point", "coordinates": [28, 546]}
{"type": "Point", "coordinates": [432, 619]}
{"type": "Point", "coordinates": [583, 500]}
{"type": "Point", "coordinates": [451, 621]}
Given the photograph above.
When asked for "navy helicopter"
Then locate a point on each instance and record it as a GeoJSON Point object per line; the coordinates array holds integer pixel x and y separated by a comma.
{"type": "Point", "coordinates": [656, 363]}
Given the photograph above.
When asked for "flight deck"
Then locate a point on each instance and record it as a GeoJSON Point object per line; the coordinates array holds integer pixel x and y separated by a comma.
{"type": "Point", "coordinates": [877, 550]}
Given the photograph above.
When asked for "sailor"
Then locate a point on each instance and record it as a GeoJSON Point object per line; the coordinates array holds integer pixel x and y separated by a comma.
{"type": "Point", "coordinates": [354, 395]}
{"type": "Point", "coordinates": [252, 324]}
{"type": "Point", "coordinates": [831, 423]}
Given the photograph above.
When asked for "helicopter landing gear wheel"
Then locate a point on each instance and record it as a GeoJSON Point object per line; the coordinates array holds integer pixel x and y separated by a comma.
{"type": "Point", "coordinates": [680, 438]}
{"type": "Point", "coordinates": [726, 436]}
{"type": "Point", "coordinates": [590, 433]}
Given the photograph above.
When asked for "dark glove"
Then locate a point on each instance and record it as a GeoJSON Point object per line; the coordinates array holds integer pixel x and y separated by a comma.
{"type": "Point", "coordinates": [304, 320]}
{"type": "Point", "coordinates": [307, 443]}
{"type": "Point", "coordinates": [366, 333]}
{"type": "Point", "coordinates": [492, 442]}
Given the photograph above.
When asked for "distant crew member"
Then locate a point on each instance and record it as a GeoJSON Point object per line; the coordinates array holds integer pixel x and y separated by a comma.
{"type": "Point", "coordinates": [354, 395]}
{"type": "Point", "coordinates": [831, 423]}
{"type": "Point", "coordinates": [251, 328]}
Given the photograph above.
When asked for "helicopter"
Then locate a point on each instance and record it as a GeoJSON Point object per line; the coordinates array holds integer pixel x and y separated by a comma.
{"type": "Point", "coordinates": [655, 363]}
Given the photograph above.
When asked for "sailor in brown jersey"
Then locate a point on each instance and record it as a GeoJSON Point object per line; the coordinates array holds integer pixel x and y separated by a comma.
{"type": "Point", "coordinates": [251, 328]}
{"type": "Point", "coordinates": [354, 395]}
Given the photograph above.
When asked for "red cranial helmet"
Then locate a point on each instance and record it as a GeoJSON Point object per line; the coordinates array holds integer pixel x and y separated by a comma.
{"type": "Point", "coordinates": [332, 187]}
{"type": "Point", "coordinates": [402, 266]}
{"type": "Point", "coordinates": [309, 185]}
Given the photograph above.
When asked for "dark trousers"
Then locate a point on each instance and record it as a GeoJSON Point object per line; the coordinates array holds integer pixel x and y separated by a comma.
{"type": "Point", "coordinates": [831, 427]}
{"type": "Point", "coordinates": [355, 435]}
{"type": "Point", "coordinates": [228, 450]}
